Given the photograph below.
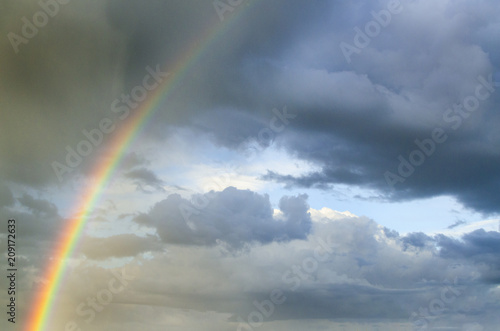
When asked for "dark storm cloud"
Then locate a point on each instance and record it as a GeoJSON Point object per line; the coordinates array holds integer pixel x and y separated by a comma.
{"type": "Point", "coordinates": [472, 244]}
{"type": "Point", "coordinates": [479, 247]}
{"type": "Point", "coordinates": [358, 144]}
{"type": "Point", "coordinates": [356, 118]}
{"type": "Point", "coordinates": [236, 217]}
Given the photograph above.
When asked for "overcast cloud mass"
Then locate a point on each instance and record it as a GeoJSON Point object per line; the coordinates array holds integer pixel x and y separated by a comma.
{"type": "Point", "coordinates": [315, 165]}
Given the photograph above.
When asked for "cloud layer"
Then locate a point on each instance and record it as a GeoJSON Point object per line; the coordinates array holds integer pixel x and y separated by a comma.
{"type": "Point", "coordinates": [234, 217]}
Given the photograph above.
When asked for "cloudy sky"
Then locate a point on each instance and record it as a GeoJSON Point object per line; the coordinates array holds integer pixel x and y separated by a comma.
{"type": "Point", "coordinates": [316, 165]}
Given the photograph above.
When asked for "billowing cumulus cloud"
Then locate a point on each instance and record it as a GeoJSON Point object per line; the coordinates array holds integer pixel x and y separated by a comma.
{"type": "Point", "coordinates": [235, 217]}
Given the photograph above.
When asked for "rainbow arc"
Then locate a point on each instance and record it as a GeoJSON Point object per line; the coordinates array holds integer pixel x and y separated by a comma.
{"type": "Point", "coordinates": [42, 306]}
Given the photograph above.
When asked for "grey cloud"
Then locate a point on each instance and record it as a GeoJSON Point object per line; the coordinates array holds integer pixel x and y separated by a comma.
{"type": "Point", "coordinates": [237, 217]}
{"type": "Point", "coordinates": [6, 197]}
{"type": "Point", "coordinates": [478, 247]}
{"type": "Point", "coordinates": [36, 228]}
{"type": "Point", "coordinates": [390, 233]}
{"type": "Point", "coordinates": [38, 206]}
{"type": "Point", "coordinates": [416, 239]}
{"type": "Point", "coordinates": [357, 144]}
{"type": "Point", "coordinates": [389, 285]}
{"type": "Point", "coordinates": [295, 211]}
{"type": "Point", "coordinates": [457, 223]}
{"type": "Point", "coordinates": [132, 160]}
{"type": "Point", "coordinates": [144, 178]}
{"type": "Point", "coordinates": [472, 244]}
{"type": "Point", "coordinates": [124, 245]}
{"type": "Point", "coordinates": [367, 271]}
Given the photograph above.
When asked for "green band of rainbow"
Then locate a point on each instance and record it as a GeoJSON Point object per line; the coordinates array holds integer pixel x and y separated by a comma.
{"type": "Point", "coordinates": [43, 304]}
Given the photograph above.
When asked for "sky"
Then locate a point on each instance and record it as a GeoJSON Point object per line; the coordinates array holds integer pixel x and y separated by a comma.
{"type": "Point", "coordinates": [319, 165]}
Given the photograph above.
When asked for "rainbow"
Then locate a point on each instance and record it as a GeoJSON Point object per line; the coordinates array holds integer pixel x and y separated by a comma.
{"type": "Point", "coordinates": [43, 304]}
